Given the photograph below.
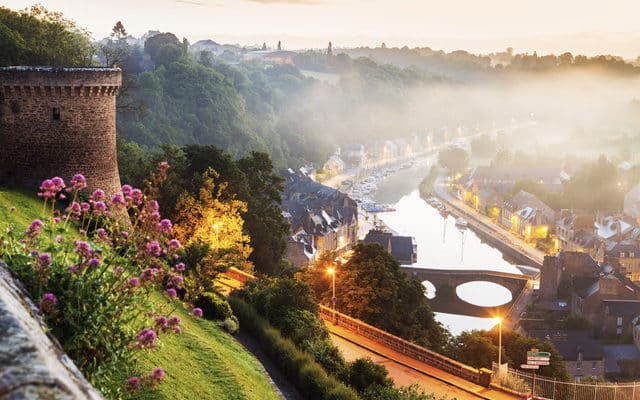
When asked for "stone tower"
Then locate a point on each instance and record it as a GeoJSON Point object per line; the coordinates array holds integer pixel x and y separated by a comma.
{"type": "Point", "coordinates": [59, 122]}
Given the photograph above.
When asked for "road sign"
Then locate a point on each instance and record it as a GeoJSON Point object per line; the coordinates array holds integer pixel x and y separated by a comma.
{"type": "Point", "coordinates": [528, 366]}
{"type": "Point", "coordinates": [538, 362]}
{"type": "Point", "coordinates": [538, 354]}
{"type": "Point", "coordinates": [532, 358]}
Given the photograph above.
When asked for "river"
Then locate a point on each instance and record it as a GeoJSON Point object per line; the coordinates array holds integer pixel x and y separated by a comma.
{"type": "Point", "coordinates": [442, 245]}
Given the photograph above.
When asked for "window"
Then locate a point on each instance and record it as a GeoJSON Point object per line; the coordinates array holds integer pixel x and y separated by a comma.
{"type": "Point", "coordinates": [619, 321]}
{"type": "Point", "coordinates": [619, 331]}
{"type": "Point", "coordinates": [622, 254]}
{"type": "Point", "coordinates": [56, 114]}
{"type": "Point", "coordinates": [594, 365]}
{"type": "Point", "coordinates": [632, 254]}
{"type": "Point", "coordinates": [579, 365]}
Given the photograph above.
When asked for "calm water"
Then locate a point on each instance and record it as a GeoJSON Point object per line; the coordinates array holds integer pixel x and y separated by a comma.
{"type": "Point", "coordinates": [442, 245]}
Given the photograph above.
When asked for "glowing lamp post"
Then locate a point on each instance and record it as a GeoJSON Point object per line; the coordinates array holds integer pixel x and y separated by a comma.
{"type": "Point", "coordinates": [217, 228]}
{"type": "Point", "coordinates": [332, 272]}
{"type": "Point", "coordinates": [499, 319]}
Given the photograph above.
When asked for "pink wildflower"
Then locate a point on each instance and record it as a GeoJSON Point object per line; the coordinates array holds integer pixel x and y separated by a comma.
{"type": "Point", "coordinates": [180, 267]}
{"type": "Point", "coordinates": [134, 281]}
{"type": "Point", "coordinates": [153, 248]}
{"type": "Point", "coordinates": [132, 385]}
{"type": "Point", "coordinates": [165, 226]}
{"type": "Point", "coordinates": [158, 374]}
{"type": "Point", "coordinates": [163, 165]}
{"type": "Point", "coordinates": [97, 195]}
{"type": "Point", "coordinates": [171, 292]}
{"type": "Point", "coordinates": [78, 182]}
{"type": "Point", "coordinates": [162, 322]}
{"type": "Point", "coordinates": [174, 321]}
{"type": "Point", "coordinates": [173, 244]}
{"type": "Point", "coordinates": [147, 338]}
{"type": "Point", "coordinates": [48, 303]}
{"type": "Point", "coordinates": [34, 229]}
{"type": "Point", "coordinates": [196, 312]}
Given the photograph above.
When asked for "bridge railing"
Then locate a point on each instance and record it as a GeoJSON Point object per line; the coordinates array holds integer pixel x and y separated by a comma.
{"type": "Point", "coordinates": [407, 348]}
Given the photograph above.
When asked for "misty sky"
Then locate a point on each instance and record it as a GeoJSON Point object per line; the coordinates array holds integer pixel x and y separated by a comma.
{"type": "Point", "coordinates": [590, 26]}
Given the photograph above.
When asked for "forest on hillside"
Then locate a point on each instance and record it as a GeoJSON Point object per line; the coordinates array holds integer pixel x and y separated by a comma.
{"type": "Point", "coordinates": [178, 93]}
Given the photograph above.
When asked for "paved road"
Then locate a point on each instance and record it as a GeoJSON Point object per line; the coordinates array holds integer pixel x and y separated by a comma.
{"type": "Point", "coordinates": [406, 371]}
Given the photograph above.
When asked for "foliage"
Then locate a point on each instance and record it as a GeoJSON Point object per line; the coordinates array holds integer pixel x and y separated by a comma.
{"type": "Point", "coordinates": [251, 180]}
{"type": "Point", "coordinates": [207, 220]}
{"type": "Point", "coordinates": [37, 36]}
{"type": "Point", "coordinates": [263, 220]}
{"type": "Point", "coordinates": [474, 348]}
{"type": "Point", "coordinates": [455, 159]}
{"type": "Point", "coordinates": [426, 185]}
{"type": "Point", "coordinates": [479, 348]}
{"type": "Point", "coordinates": [371, 287]}
{"type": "Point", "coordinates": [412, 392]}
{"type": "Point", "coordinates": [298, 366]}
{"type": "Point", "coordinates": [364, 373]}
{"type": "Point", "coordinates": [95, 283]}
{"type": "Point", "coordinates": [213, 306]}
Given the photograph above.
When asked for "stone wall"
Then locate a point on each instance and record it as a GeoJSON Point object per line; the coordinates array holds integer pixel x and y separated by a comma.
{"type": "Point", "coordinates": [59, 122]}
{"type": "Point", "coordinates": [32, 364]}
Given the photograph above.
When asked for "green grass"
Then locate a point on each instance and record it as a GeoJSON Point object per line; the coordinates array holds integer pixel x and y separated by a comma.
{"type": "Point", "coordinates": [204, 362]}
{"type": "Point", "coordinates": [27, 207]}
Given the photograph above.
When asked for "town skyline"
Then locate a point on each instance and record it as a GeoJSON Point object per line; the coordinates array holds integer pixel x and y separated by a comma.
{"type": "Point", "coordinates": [544, 26]}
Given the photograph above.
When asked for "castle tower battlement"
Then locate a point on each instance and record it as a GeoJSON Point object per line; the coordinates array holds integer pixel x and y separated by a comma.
{"type": "Point", "coordinates": [59, 122]}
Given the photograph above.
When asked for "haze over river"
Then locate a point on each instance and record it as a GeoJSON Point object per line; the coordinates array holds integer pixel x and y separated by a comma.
{"type": "Point", "coordinates": [442, 245]}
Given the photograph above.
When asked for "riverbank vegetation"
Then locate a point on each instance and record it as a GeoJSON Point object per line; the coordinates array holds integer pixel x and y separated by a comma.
{"type": "Point", "coordinates": [426, 185]}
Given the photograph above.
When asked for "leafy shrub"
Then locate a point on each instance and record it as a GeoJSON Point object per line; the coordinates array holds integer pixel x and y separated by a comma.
{"type": "Point", "coordinates": [92, 269]}
{"type": "Point", "coordinates": [231, 325]}
{"type": "Point", "coordinates": [364, 373]}
{"type": "Point", "coordinates": [298, 366]}
{"type": "Point", "coordinates": [213, 306]}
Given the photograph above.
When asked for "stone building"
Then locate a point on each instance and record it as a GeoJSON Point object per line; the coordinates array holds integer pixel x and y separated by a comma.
{"type": "Point", "coordinates": [59, 122]}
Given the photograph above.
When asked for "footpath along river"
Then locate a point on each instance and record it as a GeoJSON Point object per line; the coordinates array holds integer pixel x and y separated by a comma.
{"type": "Point", "coordinates": [442, 245]}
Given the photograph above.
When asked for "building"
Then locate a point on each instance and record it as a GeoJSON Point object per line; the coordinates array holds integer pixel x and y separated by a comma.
{"type": "Point", "coordinates": [402, 248]}
{"type": "Point", "coordinates": [625, 257]}
{"type": "Point", "coordinates": [59, 122]}
{"type": "Point", "coordinates": [566, 268]}
{"type": "Point", "coordinates": [575, 231]}
{"type": "Point", "coordinates": [528, 216]}
{"type": "Point", "coordinates": [321, 218]}
{"type": "Point", "coordinates": [583, 355]}
{"type": "Point", "coordinates": [502, 178]}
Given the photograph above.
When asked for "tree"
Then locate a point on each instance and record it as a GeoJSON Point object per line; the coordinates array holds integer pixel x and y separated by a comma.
{"type": "Point", "coordinates": [371, 287]}
{"type": "Point", "coordinates": [454, 158]}
{"type": "Point", "coordinates": [116, 50]}
{"type": "Point", "coordinates": [263, 220]}
{"type": "Point", "coordinates": [37, 36]}
{"type": "Point", "coordinates": [163, 48]}
{"type": "Point", "coordinates": [264, 46]}
{"type": "Point", "coordinates": [330, 49]}
{"type": "Point", "coordinates": [213, 229]}
{"type": "Point", "coordinates": [279, 46]}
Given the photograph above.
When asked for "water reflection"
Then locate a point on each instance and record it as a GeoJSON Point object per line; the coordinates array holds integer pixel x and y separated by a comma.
{"type": "Point", "coordinates": [499, 294]}
{"type": "Point", "coordinates": [430, 290]}
{"type": "Point", "coordinates": [442, 245]}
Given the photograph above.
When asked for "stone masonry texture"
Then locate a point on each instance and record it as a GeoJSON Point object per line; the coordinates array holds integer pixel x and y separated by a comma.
{"type": "Point", "coordinates": [32, 364]}
{"type": "Point", "coordinates": [59, 122]}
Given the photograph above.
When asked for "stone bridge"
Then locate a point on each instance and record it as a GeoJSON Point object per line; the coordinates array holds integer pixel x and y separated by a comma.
{"type": "Point", "coordinates": [447, 280]}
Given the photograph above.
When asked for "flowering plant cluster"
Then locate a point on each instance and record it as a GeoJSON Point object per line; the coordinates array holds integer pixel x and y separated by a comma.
{"type": "Point", "coordinates": [92, 267]}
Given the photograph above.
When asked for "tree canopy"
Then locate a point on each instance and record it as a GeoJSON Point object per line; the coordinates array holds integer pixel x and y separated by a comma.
{"type": "Point", "coordinates": [37, 36]}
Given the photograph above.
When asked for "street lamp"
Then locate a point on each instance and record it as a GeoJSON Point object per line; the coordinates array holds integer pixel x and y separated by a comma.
{"type": "Point", "coordinates": [217, 228]}
{"type": "Point", "coordinates": [332, 272]}
{"type": "Point", "coordinates": [499, 343]}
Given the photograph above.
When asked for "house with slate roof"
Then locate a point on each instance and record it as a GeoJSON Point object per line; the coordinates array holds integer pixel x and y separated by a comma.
{"type": "Point", "coordinates": [321, 218]}
{"type": "Point", "coordinates": [583, 355]}
{"type": "Point", "coordinates": [402, 248]}
{"type": "Point", "coordinates": [528, 216]}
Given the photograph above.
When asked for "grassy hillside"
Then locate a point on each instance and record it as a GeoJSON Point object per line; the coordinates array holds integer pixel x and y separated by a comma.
{"type": "Point", "coordinates": [27, 207]}
{"type": "Point", "coordinates": [203, 362]}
